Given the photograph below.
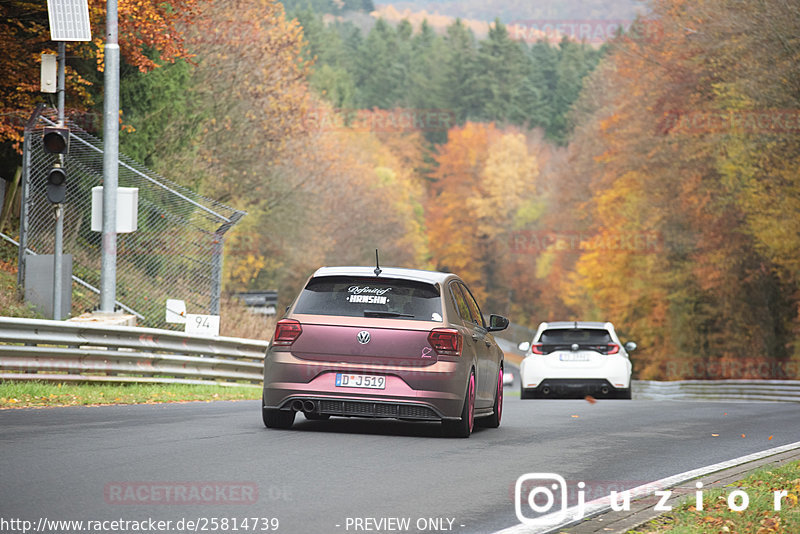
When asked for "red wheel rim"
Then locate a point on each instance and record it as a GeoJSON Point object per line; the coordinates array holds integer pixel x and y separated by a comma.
{"type": "Point", "coordinates": [471, 409]}
{"type": "Point", "coordinates": [500, 396]}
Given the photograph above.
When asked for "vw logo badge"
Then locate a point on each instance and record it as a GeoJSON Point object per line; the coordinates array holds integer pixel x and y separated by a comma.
{"type": "Point", "coordinates": [363, 337]}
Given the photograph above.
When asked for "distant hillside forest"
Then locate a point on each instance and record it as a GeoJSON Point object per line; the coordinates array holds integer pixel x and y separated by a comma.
{"type": "Point", "coordinates": [496, 79]}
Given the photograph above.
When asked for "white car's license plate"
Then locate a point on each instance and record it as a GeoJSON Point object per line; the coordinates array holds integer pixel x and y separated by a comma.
{"type": "Point", "coordinates": [578, 357]}
{"type": "Point", "coordinates": [360, 381]}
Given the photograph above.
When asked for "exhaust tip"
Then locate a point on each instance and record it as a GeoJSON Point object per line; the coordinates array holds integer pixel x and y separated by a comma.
{"type": "Point", "coordinates": [546, 390]}
{"type": "Point", "coordinates": [297, 406]}
{"type": "Point", "coordinates": [604, 390]}
{"type": "Point", "coordinates": [309, 406]}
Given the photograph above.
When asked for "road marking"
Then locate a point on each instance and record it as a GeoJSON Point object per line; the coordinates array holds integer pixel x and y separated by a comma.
{"type": "Point", "coordinates": [602, 505]}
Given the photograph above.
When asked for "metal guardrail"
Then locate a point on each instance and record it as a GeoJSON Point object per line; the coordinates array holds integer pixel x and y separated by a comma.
{"type": "Point", "coordinates": [755, 390]}
{"type": "Point", "coordinates": [33, 349]}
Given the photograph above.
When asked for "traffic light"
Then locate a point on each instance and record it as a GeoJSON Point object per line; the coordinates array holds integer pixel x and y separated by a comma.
{"type": "Point", "coordinates": [56, 185]}
{"type": "Point", "coordinates": [56, 140]}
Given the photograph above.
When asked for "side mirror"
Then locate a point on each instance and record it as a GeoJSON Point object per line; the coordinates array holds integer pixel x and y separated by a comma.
{"type": "Point", "coordinates": [497, 323]}
{"type": "Point", "coordinates": [524, 346]}
{"type": "Point", "coordinates": [630, 346]}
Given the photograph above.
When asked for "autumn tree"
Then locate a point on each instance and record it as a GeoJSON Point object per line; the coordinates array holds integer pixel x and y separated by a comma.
{"type": "Point", "coordinates": [715, 289]}
{"type": "Point", "coordinates": [249, 97]}
{"type": "Point", "coordinates": [486, 179]}
{"type": "Point", "coordinates": [341, 193]}
{"type": "Point", "coordinates": [148, 34]}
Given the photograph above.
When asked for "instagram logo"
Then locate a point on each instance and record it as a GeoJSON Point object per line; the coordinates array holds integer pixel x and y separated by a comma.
{"type": "Point", "coordinates": [538, 492]}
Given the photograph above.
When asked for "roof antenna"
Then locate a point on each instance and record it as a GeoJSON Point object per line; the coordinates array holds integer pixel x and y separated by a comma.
{"type": "Point", "coordinates": [378, 270]}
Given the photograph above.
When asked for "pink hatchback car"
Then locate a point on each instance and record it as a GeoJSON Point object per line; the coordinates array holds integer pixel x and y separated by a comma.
{"type": "Point", "coordinates": [396, 343]}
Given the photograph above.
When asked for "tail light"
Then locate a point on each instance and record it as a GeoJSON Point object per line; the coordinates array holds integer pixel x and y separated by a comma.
{"type": "Point", "coordinates": [286, 332]}
{"type": "Point", "coordinates": [613, 348]}
{"type": "Point", "coordinates": [445, 341]}
{"type": "Point", "coordinates": [537, 348]}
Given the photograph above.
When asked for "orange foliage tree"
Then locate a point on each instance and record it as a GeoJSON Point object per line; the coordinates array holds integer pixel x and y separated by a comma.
{"type": "Point", "coordinates": [148, 33]}
{"type": "Point", "coordinates": [664, 148]}
{"type": "Point", "coordinates": [337, 195]}
{"type": "Point", "coordinates": [484, 182]}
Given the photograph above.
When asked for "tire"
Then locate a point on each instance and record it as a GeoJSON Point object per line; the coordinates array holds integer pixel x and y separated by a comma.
{"type": "Point", "coordinates": [276, 418]}
{"type": "Point", "coordinates": [464, 426]}
{"type": "Point", "coordinates": [493, 421]}
{"type": "Point", "coordinates": [317, 416]}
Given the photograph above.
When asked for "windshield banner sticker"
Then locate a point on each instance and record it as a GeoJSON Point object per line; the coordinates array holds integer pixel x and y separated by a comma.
{"type": "Point", "coordinates": [368, 295]}
{"type": "Point", "coordinates": [368, 299]}
{"type": "Point", "coordinates": [356, 290]}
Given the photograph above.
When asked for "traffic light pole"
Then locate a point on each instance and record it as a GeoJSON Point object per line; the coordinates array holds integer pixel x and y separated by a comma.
{"type": "Point", "coordinates": [62, 58]}
{"type": "Point", "coordinates": [57, 265]}
{"type": "Point", "coordinates": [58, 247]}
{"type": "Point", "coordinates": [108, 273]}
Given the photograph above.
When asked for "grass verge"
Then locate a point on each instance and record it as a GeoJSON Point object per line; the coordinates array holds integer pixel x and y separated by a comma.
{"type": "Point", "coordinates": [19, 394]}
{"type": "Point", "coordinates": [759, 517]}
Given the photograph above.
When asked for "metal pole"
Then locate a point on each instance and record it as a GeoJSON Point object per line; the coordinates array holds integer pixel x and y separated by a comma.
{"type": "Point", "coordinates": [58, 245]}
{"type": "Point", "coordinates": [216, 272]}
{"type": "Point", "coordinates": [24, 194]}
{"type": "Point", "coordinates": [108, 274]}
{"type": "Point", "coordinates": [57, 257]}
{"type": "Point", "coordinates": [62, 58]}
{"type": "Point", "coordinates": [23, 209]}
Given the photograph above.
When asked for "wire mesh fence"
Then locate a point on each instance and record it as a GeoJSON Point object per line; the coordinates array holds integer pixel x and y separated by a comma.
{"type": "Point", "coordinates": [175, 253]}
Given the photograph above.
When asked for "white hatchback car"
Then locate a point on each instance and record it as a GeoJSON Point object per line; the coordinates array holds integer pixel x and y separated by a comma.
{"type": "Point", "coordinates": [576, 358]}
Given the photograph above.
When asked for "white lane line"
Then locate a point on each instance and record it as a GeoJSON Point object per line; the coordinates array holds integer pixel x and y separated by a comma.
{"type": "Point", "coordinates": [603, 505]}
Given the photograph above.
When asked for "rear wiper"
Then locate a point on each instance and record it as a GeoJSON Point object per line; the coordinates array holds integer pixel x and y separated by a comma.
{"type": "Point", "coordinates": [385, 313]}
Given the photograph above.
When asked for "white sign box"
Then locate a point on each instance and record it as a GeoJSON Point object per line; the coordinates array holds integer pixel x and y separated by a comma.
{"type": "Point", "coordinates": [49, 72]}
{"type": "Point", "coordinates": [202, 325]}
{"type": "Point", "coordinates": [127, 209]}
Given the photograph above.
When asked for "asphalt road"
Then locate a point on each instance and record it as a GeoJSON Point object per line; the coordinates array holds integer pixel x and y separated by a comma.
{"type": "Point", "coordinates": [92, 463]}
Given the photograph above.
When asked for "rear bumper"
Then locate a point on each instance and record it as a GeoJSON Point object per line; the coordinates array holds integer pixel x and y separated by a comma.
{"type": "Point", "coordinates": [431, 392]}
{"type": "Point", "coordinates": [614, 372]}
{"type": "Point", "coordinates": [571, 387]}
{"type": "Point", "coordinates": [364, 408]}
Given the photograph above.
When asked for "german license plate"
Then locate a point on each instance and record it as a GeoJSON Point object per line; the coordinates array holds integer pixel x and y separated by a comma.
{"type": "Point", "coordinates": [360, 381]}
{"type": "Point", "coordinates": [574, 357]}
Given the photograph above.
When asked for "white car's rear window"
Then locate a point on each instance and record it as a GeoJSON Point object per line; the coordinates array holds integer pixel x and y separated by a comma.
{"type": "Point", "coordinates": [581, 336]}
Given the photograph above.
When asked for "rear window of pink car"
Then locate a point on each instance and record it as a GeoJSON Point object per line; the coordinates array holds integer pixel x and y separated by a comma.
{"type": "Point", "coordinates": [370, 297]}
